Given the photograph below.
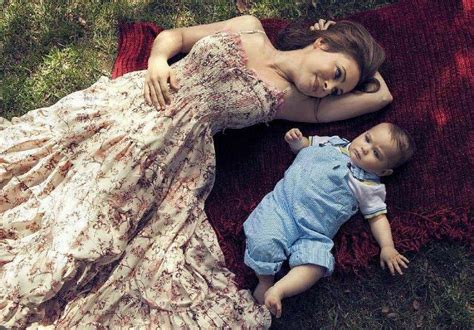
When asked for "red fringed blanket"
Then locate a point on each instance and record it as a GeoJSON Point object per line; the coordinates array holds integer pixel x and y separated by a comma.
{"type": "Point", "coordinates": [429, 72]}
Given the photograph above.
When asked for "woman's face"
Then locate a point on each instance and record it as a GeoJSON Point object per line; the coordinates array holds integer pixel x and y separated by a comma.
{"type": "Point", "coordinates": [324, 73]}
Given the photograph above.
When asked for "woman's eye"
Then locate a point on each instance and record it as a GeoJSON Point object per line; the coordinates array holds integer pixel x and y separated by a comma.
{"type": "Point", "coordinates": [376, 154]}
{"type": "Point", "coordinates": [367, 138]}
{"type": "Point", "coordinates": [336, 92]}
{"type": "Point", "coordinates": [337, 75]}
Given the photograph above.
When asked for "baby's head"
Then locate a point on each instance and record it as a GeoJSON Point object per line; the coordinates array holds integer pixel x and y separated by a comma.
{"type": "Point", "coordinates": [381, 149]}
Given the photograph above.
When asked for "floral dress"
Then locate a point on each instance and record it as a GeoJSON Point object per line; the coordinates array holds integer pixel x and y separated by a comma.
{"type": "Point", "coordinates": [102, 201]}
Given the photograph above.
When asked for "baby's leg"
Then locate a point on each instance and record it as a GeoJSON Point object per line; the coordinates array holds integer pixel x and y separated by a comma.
{"type": "Point", "coordinates": [298, 279]}
{"type": "Point", "coordinates": [264, 283]}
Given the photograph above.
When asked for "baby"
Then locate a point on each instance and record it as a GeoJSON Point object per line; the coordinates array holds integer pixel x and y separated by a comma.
{"type": "Point", "coordinates": [329, 180]}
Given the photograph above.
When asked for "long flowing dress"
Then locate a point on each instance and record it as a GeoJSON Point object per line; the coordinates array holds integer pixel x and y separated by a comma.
{"type": "Point", "coordinates": [102, 201]}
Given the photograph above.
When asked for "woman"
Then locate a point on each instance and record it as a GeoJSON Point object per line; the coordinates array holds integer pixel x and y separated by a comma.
{"type": "Point", "coordinates": [101, 176]}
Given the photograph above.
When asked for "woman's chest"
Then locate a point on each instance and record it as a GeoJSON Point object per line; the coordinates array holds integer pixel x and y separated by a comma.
{"type": "Point", "coordinates": [259, 52]}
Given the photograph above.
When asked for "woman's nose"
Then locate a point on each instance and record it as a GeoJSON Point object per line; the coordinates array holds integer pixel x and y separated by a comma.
{"type": "Point", "coordinates": [328, 86]}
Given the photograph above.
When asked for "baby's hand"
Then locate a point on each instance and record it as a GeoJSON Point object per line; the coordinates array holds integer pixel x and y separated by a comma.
{"type": "Point", "coordinates": [394, 260]}
{"type": "Point", "coordinates": [293, 135]}
{"type": "Point", "coordinates": [273, 301]}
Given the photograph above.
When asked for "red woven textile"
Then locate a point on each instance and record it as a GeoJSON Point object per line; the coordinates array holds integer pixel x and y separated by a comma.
{"type": "Point", "coordinates": [429, 72]}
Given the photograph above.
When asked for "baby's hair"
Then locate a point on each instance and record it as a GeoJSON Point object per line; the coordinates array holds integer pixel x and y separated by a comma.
{"type": "Point", "coordinates": [405, 144]}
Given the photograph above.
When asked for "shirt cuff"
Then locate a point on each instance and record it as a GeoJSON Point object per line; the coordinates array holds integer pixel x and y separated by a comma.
{"type": "Point", "coordinates": [374, 214]}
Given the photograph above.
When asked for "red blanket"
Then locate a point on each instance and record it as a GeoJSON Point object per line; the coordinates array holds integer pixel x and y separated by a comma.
{"type": "Point", "coordinates": [429, 72]}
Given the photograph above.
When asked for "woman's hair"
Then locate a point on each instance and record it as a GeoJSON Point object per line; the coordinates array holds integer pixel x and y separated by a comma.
{"type": "Point", "coordinates": [345, 37]}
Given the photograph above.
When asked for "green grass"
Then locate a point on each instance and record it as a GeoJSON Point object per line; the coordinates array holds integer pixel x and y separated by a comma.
{"type": "Point", "coordinates": [435, 292]}
{"type": "Point", "coordinates": [49, 49]}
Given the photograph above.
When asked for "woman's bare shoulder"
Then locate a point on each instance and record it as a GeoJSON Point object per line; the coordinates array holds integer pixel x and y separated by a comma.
{"type": "Point", "coordinates": [249, 22]}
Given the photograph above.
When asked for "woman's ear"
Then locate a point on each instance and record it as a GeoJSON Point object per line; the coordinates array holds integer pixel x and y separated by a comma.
{"type": "Point", "coordinates": [319, 43]}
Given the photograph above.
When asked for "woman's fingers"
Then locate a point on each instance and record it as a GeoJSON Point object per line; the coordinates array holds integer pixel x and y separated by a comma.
{"type": "Point", "coordinates": [155, 94]}
{"type": "Point", "coordinates": [322, 24]}
{"type": "Point", "coordinates": [159, 91]}
{"type": "Point", "coordinates": [165, 91]}
{"type": "Point", "coordinates": [146, 92]}
{"type": "Point", "coordinates": [173, 81]}
{"type": "Point", "coordinates": [158, 99]}
{"type": "Point", "coordinates": [328, 24]}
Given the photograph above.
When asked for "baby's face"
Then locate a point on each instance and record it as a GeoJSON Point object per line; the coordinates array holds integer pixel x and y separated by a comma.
{"type": "Point", "coordinates": [374, 150]}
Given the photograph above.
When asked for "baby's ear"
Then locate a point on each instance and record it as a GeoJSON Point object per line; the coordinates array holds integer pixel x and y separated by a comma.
{"type": "Point", "coordinates": [386, 172]}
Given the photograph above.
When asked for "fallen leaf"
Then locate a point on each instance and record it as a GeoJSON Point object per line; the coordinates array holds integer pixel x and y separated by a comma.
{"type": "Point", "coordinates": [242, 6]}
{"type": "Point", "coordinates": [81, 21]}
{"type": "Point", "coordinates": [347, 291]}
{"type": "Point", "coordinates": [416, 305]}
{"type": "Point", "coordinates": [392, 315]}
{"type": "Point", "coordinates": [470, 307]}
{"type": "Point", "coordinates": [385, 309]}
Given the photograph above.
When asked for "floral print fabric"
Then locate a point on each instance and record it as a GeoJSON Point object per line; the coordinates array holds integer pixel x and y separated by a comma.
{"type": "Point", "coordinates": [102, 201]}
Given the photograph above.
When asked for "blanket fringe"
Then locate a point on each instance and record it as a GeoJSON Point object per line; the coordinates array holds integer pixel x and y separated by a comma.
{"type": "Point", "coordinates": [411, 231]}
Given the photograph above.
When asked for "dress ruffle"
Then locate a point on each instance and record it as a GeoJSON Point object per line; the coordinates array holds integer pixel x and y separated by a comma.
{"type": "Point", "coordinates": [102, 201]}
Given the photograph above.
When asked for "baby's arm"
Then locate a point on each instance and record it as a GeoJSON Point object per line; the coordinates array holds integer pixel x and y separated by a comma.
{"type": "Point", "coordinates": [389, 256]}
{"type": "Point", "coordinates": [299, 278]}
{"type": "Point", "coordinates": [296, 140]}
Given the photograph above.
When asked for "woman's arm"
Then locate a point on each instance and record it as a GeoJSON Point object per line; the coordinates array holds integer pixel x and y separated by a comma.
{"type": "Point", "coordinates": [299, 107]}
{"type": "Point", "coordinates": [171, 42]}
{"type": "Point", "coordinates": [333, 108]}
{"type": "Point", "coordinates": [180, 40]}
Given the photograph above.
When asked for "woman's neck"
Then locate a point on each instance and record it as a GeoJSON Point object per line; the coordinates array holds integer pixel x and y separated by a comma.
{"type": "Point", "coordinates": [287, 64]}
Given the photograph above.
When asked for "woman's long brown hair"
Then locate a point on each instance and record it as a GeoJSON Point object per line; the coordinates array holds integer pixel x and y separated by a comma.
{"type": "Point", "coordinates": [346, 37]}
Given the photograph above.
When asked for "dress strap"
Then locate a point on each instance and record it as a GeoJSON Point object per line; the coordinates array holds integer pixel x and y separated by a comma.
{"type": "Point", "coordinates": [251, 31]}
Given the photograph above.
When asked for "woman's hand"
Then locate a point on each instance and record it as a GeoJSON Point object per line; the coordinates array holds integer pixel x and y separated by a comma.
{"type": "Point", "coordinates": [322, 24]}
{"type": "Point", "coordinates": [390, 257]}
{"type": "Point", "coordinates": [273, 299]}
{"type": "Point", "coordinates": [158, 79]}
